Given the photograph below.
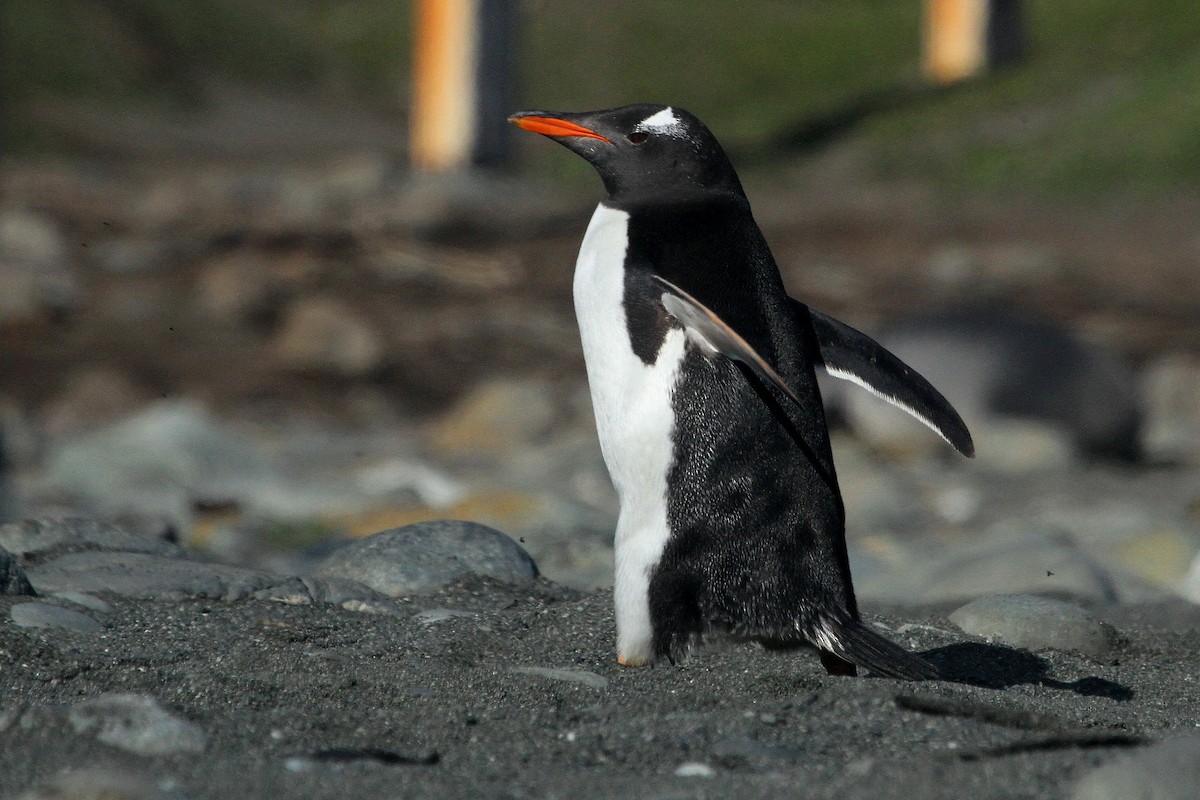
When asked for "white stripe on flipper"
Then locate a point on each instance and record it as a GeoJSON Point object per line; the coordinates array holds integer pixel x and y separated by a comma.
{"type": "Point", "coordinates": [858, 381]}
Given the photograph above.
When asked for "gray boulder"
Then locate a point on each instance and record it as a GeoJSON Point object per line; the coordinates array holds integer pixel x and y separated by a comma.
{"type": "Point", "coordinates": [425, 556]}
{"type": "Point", "coordinates": [1170, 770]}
{"type": "Point", "coordinates": [1036, 623]}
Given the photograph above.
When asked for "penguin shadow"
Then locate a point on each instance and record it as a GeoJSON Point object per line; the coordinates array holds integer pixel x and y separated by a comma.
{"type": "Point", "coordinates": [993, 666]}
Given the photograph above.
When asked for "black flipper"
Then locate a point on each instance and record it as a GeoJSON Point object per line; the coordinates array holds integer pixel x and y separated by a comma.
{"type": "Point", "coordinates": [851, 355]}
{"type": "Point", "coordinates": [701, 322]}
{"type": "Point", "coordinates": [851, 640]}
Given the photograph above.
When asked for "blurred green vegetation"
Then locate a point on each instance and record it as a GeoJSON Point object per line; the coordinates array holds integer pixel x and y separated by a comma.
{"type": "Point", "coordinates": [1107, 100]}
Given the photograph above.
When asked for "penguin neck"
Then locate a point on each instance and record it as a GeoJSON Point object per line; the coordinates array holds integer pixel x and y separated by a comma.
{"type": "Point", "coordinates": [673, 198]}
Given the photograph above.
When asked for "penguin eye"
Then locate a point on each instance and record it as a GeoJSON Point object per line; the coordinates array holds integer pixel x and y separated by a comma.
{"type": "Point", "coordinates": [637, 137]}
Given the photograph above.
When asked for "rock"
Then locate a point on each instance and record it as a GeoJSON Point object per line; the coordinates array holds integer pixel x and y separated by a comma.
{"type": "Point", "coordinates": [496, 417]}
{"type": "Point", "coordinates": [1035, 623]}
{"type": "Point", "coordinates": [39, 537]}
{"type": "Point", "coordinates": [324, 334]}
{"type": "Point", "coordinates": [997, 363]}
{"type": "Point", "coordinates": [435, 615]}
{"type": "Point", "coordinates": [99, 783]}
{"type": "Point", "coordinates": [162, 460]}
{"type": "Point", "coordinates": [424, 556]}
{"type": "Point", "coordinates": [13, 579]}
{"type": "Point", "coordinates": [141, 575]}
{"type": "Point", "coordinates": [1010, 558]}
{"type": "Point", "coordinates": [47, 615]}
{"type": "Point", "coordinates": [1171, 387]}
{"type": "Point", "coordinates": [694, 769]}
{"type": "Point", "coordinates": [1170, 770]}
{"type": "Point", "coordinates": [35, 275]}
{"type": "Point", "coordinates": [88, 601]}
{"type": "Point", "coordinates": [91, 398]}
{"type": "Point", "coordinates": [238, 286]}
{"type": "Point", "coordinates": [583, 676]}
{"type": "Point", "coordinates": [136, 723]}
{"type": "Point", "coordinates": [1190, 586]}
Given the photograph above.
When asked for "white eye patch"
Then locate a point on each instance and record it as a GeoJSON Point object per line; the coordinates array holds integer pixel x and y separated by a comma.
{"type": "Point", "coordinates": [663, 122]}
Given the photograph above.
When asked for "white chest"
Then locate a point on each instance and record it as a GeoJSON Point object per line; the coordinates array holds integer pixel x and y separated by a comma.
{"type": "Point", "coordinates": [632, 399]}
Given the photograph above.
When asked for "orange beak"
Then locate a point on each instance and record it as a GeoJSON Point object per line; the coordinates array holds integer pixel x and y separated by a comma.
{"type": "Point", "coordinates": [549, 126]}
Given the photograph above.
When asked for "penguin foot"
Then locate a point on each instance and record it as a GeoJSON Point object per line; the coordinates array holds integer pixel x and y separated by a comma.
{"type": "Point", "coordinates": [632, 661]}
{"type": "Point", "coordinates": [837, 666]}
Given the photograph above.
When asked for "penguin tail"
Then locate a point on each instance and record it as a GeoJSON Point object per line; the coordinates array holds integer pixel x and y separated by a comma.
{"type": "Point", "coordinates": [854, 642]}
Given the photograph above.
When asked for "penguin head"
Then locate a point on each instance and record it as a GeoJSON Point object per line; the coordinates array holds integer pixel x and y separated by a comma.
{"type": "Point", "coordinates": [641, 151]}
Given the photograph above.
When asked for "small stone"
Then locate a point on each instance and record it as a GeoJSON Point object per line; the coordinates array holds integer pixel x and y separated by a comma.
{"type": "Point", "coordinates": [136, 723]}
{"type": "Point", "coordinates": [436, 615]}
{"type": "Point", "coordinates": [48, 615]}
{"type": "Point", "coordinates": [13, 579]}
{"type": "Point", "coordinates": [325, 334]}
{"type": "Point", "coordinates": [1035, 623]}
{"type": "Point", "coordinates": [427, 555]}
{"type": "Point", "coordinates": [496, 417]}
{"type": "Point", "coordinates": [162, 460]}
{"type": "Point", "coordinates": [1170, 770]}
{"type": "Point", "coordinates": [99, 783]}
{"type": "Point", "coordinates": [41, 536]}
{"type": "Point", "coordinates": [147, 576]}
{"type": "Point", "coordinates": [694, 769]}
{"type": "Point", "coordinates": [86, 600]}
{"type": "Point", "coordinates": [582, 676]}
{"type": "Point", "coordinates": [91, 398]}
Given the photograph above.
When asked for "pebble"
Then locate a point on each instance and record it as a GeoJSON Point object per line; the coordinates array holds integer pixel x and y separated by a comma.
{"type": "Point", "coordinates": [101, 783]}
{"type": "Point", "coordinates": [88, 601]}
{"type": "Point", "coordinates": [694, 769]}
{"type": "Point", "coordinates": [164, 459]}
{"type": "Point", "coordinates": [1169, 770]}
{"type": "Point", "coordinates": [582, 676]}
{"type": "Point", "coordinates": [41, 536]}
{"type": "Point", "coordinates": [501, 416]}
{"type": "Point", "coordinates": [13, 579]}
{"type": "Point", "coordinates": [146, 576]}
{"type": "Point", "coordinates": [48, 615]}
{"type": "Point", "coordinates": [436, 615]}
{"type": "Point", "coordinates": [1035, 623]}
{"type": "Point", "coordinates": [427, 555]}
{"type": "Point", "coordinates": [327, 335]}
{"type": "Point", "coordinates": [136, 723]}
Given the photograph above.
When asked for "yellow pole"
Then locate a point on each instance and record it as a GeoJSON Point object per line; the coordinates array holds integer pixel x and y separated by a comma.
{"type": "Point", "coordinates": [444, 100]}
{"type": "Point", "coordinates": [955, 33]}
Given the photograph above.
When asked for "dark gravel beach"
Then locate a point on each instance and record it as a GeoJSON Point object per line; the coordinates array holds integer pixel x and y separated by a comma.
{"type": "Point", "coordinates": [521, 697]}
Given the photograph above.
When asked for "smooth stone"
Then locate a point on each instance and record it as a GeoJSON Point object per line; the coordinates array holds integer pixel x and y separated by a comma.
{"type": "Point", "coordinates": [48, 615]}
{"type": "Point", "coordinates": [694, 769]}
{"type": "Point", "coordinates": [427, 555]}
{"type": "Point", "coordinates": [1035, 623]}
{"type": "Point", "coordinates": [146, 576]}
{"type": "Point", "coordinates": [1171, 386]}
{"type": "Point", "coordinates": [327, 335]}
{"type": "Point", "coordinates": [497, 417]}
{"type": "Point", "coordinates": [582, 676]}
{"type": "Point", "coordinates": [39, 536]}
{"type": "Point", "coordinates": [99, 783]}
{"type": "Point", "coordinates": [436, 615]}
{"type": "Point", "coordinates": [161, 460]}
{"type": "Point", "coordinates": [1013, 558]}
{"type": "Point", "coordinates": [1169, 770]}
{"type": "Point", "coordinates": [136, 723]}
{"type": "Point", "coordinates": [13, 579]}
{"type": "Point", "coordinates": [86, 600]}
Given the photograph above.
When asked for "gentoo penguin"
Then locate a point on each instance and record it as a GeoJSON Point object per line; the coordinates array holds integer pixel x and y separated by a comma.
{"type": "Point", "coordinates": [701, 371]}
